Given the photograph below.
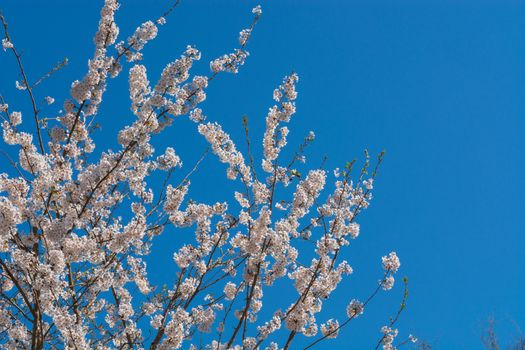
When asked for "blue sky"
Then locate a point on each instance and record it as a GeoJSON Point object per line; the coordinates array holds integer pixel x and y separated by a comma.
{"type": "Point", "coordinates": [438, 84]}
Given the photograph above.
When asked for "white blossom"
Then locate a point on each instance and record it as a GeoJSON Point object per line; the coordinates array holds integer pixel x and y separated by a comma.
{"type": "Point", "coordinates": [15, 118]}
{"type": "Point", "coordinates": [387, 283]}
{"type": "Point", "coordinates": [257, 10]}
{"type": "Point", "coordinates": [20, 85]}
{"type": "Point", "coordinates": [389, 336]}
{"type": "Point", "coordinates": [6, 44]}
{"type": "Point", "coordinates": [391, 262]}
{"type": "Point", "coordinates": [330, 329]}
{"type": "Point", "coordinates": [354, 308]}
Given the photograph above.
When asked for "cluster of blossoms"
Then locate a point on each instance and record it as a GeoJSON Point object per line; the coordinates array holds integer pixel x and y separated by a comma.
{"type": "Point", "coordinates": [233, 61]}
{"type": "Point", "coordinates": [76, 230]}
{"type": "Point", "coordinates": [389, 335]}
{"type": "Point", "coordinates": [390, 264]}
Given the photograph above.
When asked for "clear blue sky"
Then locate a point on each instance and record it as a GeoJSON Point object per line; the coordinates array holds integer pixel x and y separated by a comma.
{"type": "Point", "coordinates": [439, 84]}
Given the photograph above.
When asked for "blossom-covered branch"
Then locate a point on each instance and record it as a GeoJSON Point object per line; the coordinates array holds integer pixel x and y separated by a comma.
{"type": "Point", "coordinates": [77, 227]}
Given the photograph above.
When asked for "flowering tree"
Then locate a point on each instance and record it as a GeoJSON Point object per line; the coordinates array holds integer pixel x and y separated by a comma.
{"type": "Point", "coordinates": [76, 228]}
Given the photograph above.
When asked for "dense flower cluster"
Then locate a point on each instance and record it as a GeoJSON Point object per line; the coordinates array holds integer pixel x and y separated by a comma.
{"type": "Point", "coordinates": [77, 230]}
{"type": "Point", "coordinates": [391, 262]}
{"type": "Point", "coordinates": [355, 308]}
